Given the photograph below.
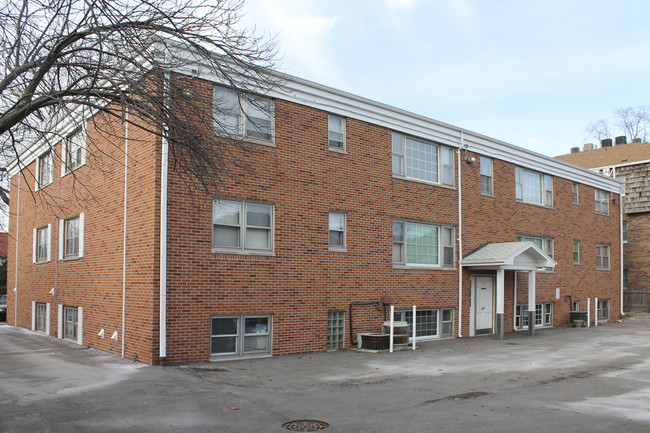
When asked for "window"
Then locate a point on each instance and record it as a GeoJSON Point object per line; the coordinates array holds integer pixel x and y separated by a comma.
{"type": "Point", "coordinates": [576, 189]}
{"type": "Point", "coordinates": [335, 330]}
{"type": "Point", "coordinates": [419, 160]}
{"type": "Point", "coordinates": [624, 232]}
{"type": "Point", "coordinates": [543, 315]}
{"type": "Point", "coordinates": [447, 322]}
{"type": "Point", "coordinates": [576, 252]}
{"type": "Point", "coordinates": [45, 171]}
{"type": "Point", "coordinates": [337, 231]}
{"type": "Point", "coordinates": [603, 310]}
{"type": "Point", "coordinates": [248, 116]}
{"type": "Point", "coordinates": [533, 187]}
{"type": "Point", "coordinates": [336, 132]}
{"type": "Point", "coordinates": [626, 278]}
{"type": "Point", "coordinates": [71, 238]}
{"type": "Point", "coordinates": [486, 176]}
{"type": "Point", "coordinates": [242, 227]}
{"type": "Point", "coordinates": [576, 306]}
{"type": "Point", "coordinates": [602, 202]}
{"type": "Point", "coordinates": [70, 324]}
{"type": "Point", "coordinates": [448, 246]}
{"type": "Point", "coordinates": [602, 257]}
{"type": "Point", "coordinates": [417, 244]}
{"type": "Point", "coordinates": [428, 322]}
{"type": "Point", "coordinates": [240, 335]}
{"type": "Point", "coordinates": [41, 316]}
{"type": "Point", "coordinates": [42, 252]}
{"type": "Point", "coordinates": [75, 151]}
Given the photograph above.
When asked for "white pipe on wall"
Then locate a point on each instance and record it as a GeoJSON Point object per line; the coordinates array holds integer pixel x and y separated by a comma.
{"type": "Point", "coordinates": [163, 236]}
{"type": "Point", "coordinates": [390, 332]}
{"type": "Point", "coordinates": [126, 183]}
{"type": "Point", "coordinates": [414, 327]}
{"type": "Point", "coordinates": [595, 311]}
{"type": "Point", "coordinates": [588, 312]}
{"type": "Point", "coordinates": [17, 237]}
{"type": "Point", "coordinates": [620, 211]}
{"type": "Point", "coordinates": [460, 239]}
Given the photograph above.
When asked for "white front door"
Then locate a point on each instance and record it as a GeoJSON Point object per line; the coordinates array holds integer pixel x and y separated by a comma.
{"type": "Point", "coordinates": [484, 305]}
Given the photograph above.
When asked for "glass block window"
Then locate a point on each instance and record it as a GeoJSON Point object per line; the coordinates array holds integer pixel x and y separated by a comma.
{"type": "Point", "coordinates": [335, 330]}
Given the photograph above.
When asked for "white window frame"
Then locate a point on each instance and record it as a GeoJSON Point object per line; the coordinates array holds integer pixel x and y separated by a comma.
{"type": "Point", "coordinates": [42, 317]}
{"type": "Point", "coordinates": [405, 148]}
{"type": "Point", "coordinates": [443, 328]}
{"type": "Point", "coordinates": [243, 111]}
{"type": "Point", "coordinates": [337, 229]}
{"type": "Point", "coordinates": [575, 191]}
{"type": "Point", "coordinates": [601, 199]}
{"type": "Point", "coordinates": [487, 176]}
{"type": "Point", "coordinates": [45, 169]}
{"type": "Point", "coordinates": [545, 187]}
{"type": "Point", "coordinates": [65, 237]}
{"type": "Point", "coordinates": [602, 307]}
{"type": "Point", "coordinates": [543, 315]}
{"type": "Point", "coordinates": [401, 245]}
{"type": "Point", "coordinates": [42, 248]}
{"type": "Point", "coordinates": [241, 335]}
{"type": "Point", "coordinates": [74, 151]}
{"type": "Point", "coordinates": [576, 252]}
{"type": "Point", "coordinates": [243, 227]}
{"type": "Point", "coordinates": [71, 323]}
{"type": "Point", "coordinates": [335, 136]}
{"type": "Point", "coordinates": [602, 255]}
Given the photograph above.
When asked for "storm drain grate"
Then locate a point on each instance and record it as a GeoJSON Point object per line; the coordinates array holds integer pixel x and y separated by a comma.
{"type": "Point", "coordinates": [305, 425]}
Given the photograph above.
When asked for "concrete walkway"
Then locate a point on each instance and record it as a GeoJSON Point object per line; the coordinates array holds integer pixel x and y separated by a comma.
{"type": "Point", "coordinates": [563, 379]}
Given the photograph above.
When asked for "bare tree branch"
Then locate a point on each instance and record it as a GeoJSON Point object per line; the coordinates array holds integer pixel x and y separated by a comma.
{"type": "Point", "coordinates": [109, 56]}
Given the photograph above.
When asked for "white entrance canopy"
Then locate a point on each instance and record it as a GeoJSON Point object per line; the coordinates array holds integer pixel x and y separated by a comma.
{"type": "Point", "coordinates": [516, 256]}
{"type": "Point", "coordinates": [511, 256]}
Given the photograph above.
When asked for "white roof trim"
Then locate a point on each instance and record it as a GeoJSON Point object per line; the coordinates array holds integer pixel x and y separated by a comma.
{"type": "Point", "coordinates": [345, 104]}
{"type": "Point", "coordinates": [509, 255]}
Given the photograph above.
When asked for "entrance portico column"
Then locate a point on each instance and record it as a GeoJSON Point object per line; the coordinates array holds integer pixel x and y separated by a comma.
{"type": "Point", "coordinates": [531, 303]}
{"type": "Point", "coordinates": [500, 301]}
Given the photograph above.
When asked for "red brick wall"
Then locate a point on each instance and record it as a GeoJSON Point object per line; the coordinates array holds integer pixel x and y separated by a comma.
{"type": "Point", "coordinates": [303, 280]}
{"type": "Point", "coordinates": [94, 281]}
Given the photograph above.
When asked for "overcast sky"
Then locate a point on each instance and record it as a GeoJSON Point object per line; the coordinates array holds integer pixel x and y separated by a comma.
{"type": "Point", "coordinates": [531, 73]}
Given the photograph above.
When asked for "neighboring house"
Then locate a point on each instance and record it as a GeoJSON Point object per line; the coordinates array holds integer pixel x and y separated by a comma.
{"type": "Point", "coordinates": [629, 163]}
{"type": "Point", "coordinates": [353, 206]}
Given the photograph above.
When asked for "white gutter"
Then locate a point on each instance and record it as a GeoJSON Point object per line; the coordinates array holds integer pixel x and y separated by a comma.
{"type": "Point", "coordinates": [620, 209]}
{"type": "Point", "coordinates": [17, 237]}
{"type": "Point", "coordinates": [126, 183]}
{"type": "Point", "coordinates": [460, 239]}
{"type": "Point", "coordinates": [163, 236]}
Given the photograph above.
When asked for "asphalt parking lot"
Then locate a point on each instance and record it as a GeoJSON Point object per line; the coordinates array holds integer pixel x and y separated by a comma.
{"type": "Point", "coordinates": [562, 379]}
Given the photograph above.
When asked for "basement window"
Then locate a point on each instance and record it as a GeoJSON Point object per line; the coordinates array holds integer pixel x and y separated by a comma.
{"type": "Point", "coordinates": [70, 323]}
{"type": "Point", "coordinates": [543, 315]}
{"type": "Point", "coordinates": [430, 323]}
{"type": "Point", "coordinates": [242, 335]}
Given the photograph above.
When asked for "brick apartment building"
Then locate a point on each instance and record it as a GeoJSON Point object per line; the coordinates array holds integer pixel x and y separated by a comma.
{"type": "Point", "coordinates": [629, 163]}
{"type": "Point", "coordinates": [352, 206]}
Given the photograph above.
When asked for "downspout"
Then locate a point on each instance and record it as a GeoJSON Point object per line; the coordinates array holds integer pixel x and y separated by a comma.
{"type": "Point", "coordinates": [17, 237]}
{"type": "Point", "coordinates": [460, 240]}
{"type": "Point", "coordinates": [126, 183]}
{"type": "Point", "coordinates": [620, 211]}
{"type": "Point", "coordinates": [163, 231]}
